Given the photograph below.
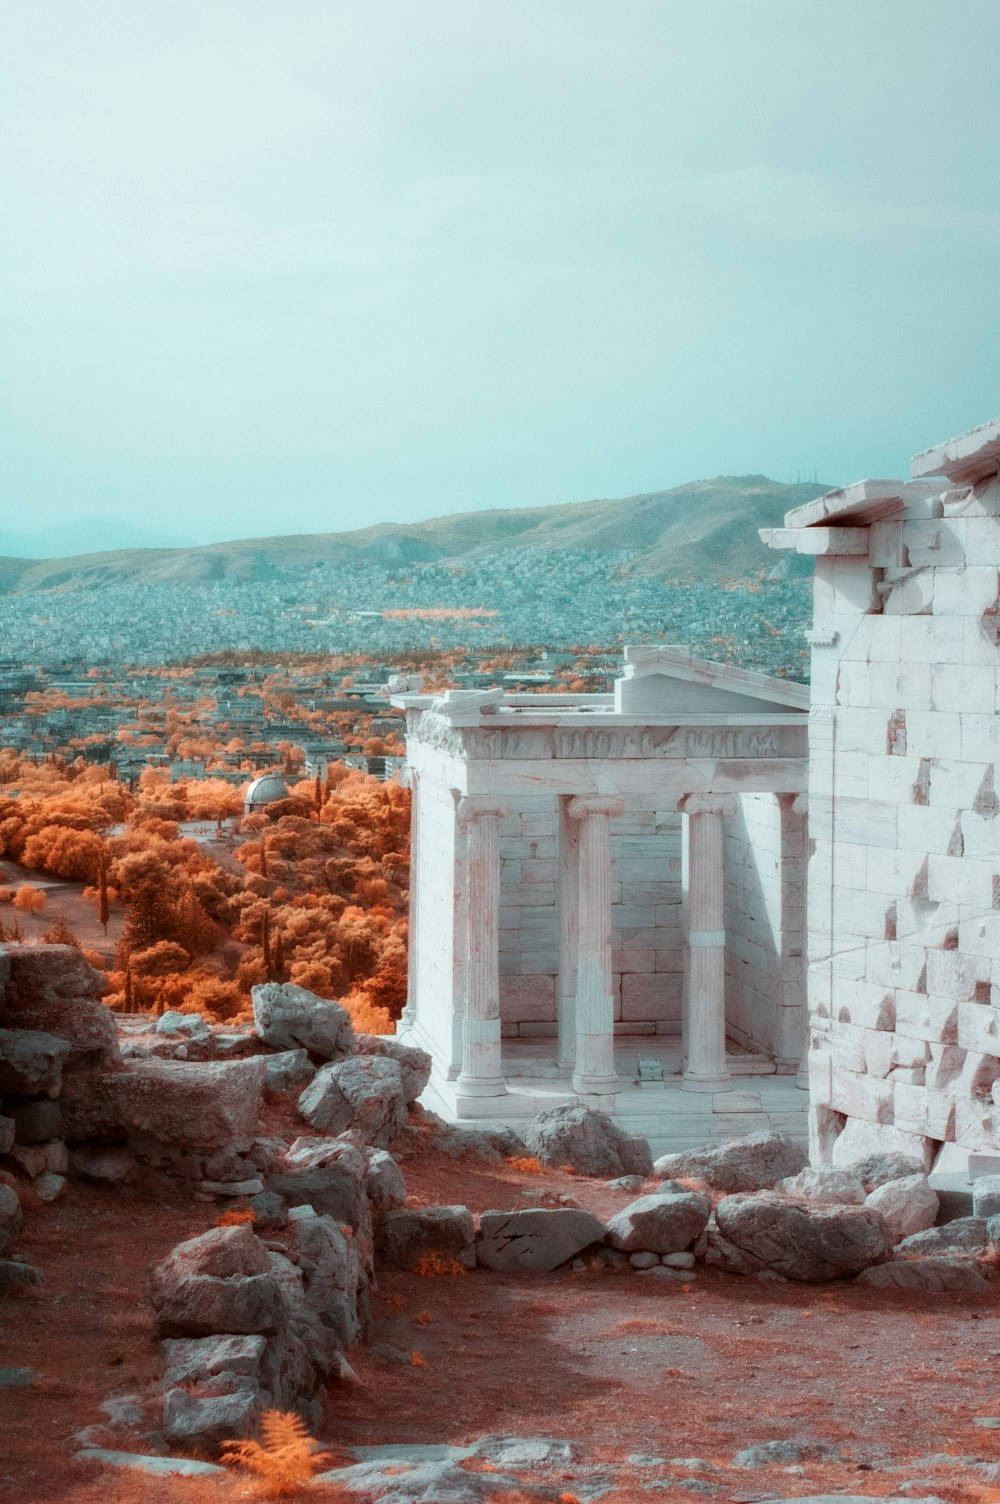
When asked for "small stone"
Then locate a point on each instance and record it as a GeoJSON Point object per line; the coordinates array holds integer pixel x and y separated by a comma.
{"type": "Point", "coordinates": [661, 1272]}
{"type": "Point", "coordinates": [269, 1210]}
{"type": "Point", "coordinates": [37, 1122]}
{"type": "Point", "coordinates": [50, 1187]}
{"type": "Point", "coordinates": [110, 1164]}
{"type": "Point", "coordinates": [908, 1205]}
{"type": "Point", "coordinates": [157, 1466]}
{"type": "Point", "coordinates": [11, 1216]}
{"type": "Point", "coordinates": [16, 1378]}
{"type": "Point", "coordinates": [173, 1022]}
{"type": "Point", "coordinates": [303, 1213]}
{"type": "Point", "coordinates": [631, 1183]}
{"type": "Point", "coordinates": [662, 1224]}
{"type": "Point", "coordinates": [678, 1260]}
{"type": "Point", "coordinates": [644, 1260]}
{"type": "Point", "coordinates": [19, 1279]}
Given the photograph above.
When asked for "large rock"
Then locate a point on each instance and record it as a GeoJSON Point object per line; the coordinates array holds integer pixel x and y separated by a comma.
{"type": "Point", "coordinates": [588, 1141]}
{"type": "Point", "coordinates": [986, 1196]}
{"type": "Point", "coordinates": [414, 1063]}
{"type": "Point", "coordinates": [879, 1168]}
{"type": "Point", "coordinates": [803, 1242]}
{"type": "Point", "coordinates": [964, 1237]}
{"type": "Point", "coordinates": [364, 1093]}
{"type": "Point", "coordinates": [108, 1164]}
{"type": "Point", "coordinates": [535, 1240]}
{"type": "Point", "coordinates": [52, 989]}
{"type": "Point", "coordinates": [31, 1061]}
{"type": "Point", "coordinates": [384, 1182]}
{"type": "Point", "coordinates": [908, 1205]}
{"type": "Point", "coordinates": [329, 1175]}
{"type": "Point", "coordinates": [221, 1252]}
{"type": "Point", "coordinates": [10, 1216]}
{"type": "Point", "coordinates": [754, 1163]}
{"type": "Point", "coordinates": [206, 1421]}
{"type": "Point", "coordinates": [935, 1276]}
{"type": "Point", "coordinates": [6, 1134]}
{"type": "Point", "coordinates": [204, 1305]}
{"type": "Point", "coordinates": [407, 1236]}
{"type": "Point", "coordinates": [287, 1069]}
{"type": "Point", "coordinates": [660, 1224]}
{"type": "Point", "coordinates": [861, 1140]}
{"type": "Point", "coordinates": [336, 1286]}
{"type": "Point", "coordinates": [192, 1360]}
{"type": "Point", "coordinates": [288, 1018]}
{"type": "Point", "coordinates": [835, 1187]}
{"type": "Point", "coordinates": [189, 1105]}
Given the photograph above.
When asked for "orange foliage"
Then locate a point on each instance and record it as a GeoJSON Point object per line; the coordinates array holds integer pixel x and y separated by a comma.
{"type": "Point", "coordinates": [432, 1265]}
{"type": "Point", "coordinates": [236, 1216]}
{"type": "Point", "coordinates": [527, 1164]}
{"type": "Point", "coordinates": [287, 1460]}
{"type": "Point", "coordinates": [28, 899]}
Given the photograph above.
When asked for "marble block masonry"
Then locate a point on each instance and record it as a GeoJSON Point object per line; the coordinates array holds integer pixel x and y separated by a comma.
{"type": "Point", "coordinates": [904, 876]}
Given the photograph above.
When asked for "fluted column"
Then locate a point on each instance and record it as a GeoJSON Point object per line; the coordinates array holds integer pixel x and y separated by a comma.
{"type": "Point", "coordinates": [595, 1008]}
{"type": "Point", "coordinates": [482, 1074]}
{"type": "Point", "coordinates": [569, 901]}
{"type": "Point", "coordinates": [705, 991]}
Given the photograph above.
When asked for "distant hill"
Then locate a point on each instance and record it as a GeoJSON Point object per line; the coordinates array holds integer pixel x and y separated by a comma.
{"type": "Point", "coordinates": [704, 530]}
{"type": "Point", "coordinates": [93, 535]}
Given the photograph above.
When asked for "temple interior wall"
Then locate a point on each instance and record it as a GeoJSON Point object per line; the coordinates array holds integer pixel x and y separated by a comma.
{"type": "Point", "coordinates": [904, 880]}
{"type": "Point", "coordinates": [765, 914]}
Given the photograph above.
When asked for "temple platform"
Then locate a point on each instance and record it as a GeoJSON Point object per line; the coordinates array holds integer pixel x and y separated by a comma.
{"type": "Point", "coordinates": [671, 1116]}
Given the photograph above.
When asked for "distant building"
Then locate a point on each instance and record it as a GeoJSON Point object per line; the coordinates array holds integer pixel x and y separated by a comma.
{"type": "Point", "coordinates": [266, 789]}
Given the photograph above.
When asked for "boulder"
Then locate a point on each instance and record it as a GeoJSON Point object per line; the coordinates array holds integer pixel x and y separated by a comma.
{"type": "Point", "coordinates": [384, 1181]}
{"type": "Point", "coordinates": [588, 1141]}
{"type": "Point", "coordinates": [191, 1360]}
{"type": "Point", "coordinates": [6, 1134]}
{"type": "Point", "coordinates": [52, 989]}
{"type": "Point", "coordinates": [331, 1175]}
{"type": "Point", "coordinates": [50, 1187]}
{"type": "Point", "coordinates": [834, 1187]}
{"type": "Point", "coordinates": [203, 1305]}
{"type": "Point", "coordinates": [174, 1022]}
{"type": "Point", "coordinates": [363, 1093]}
{"type": "Point", "coordinates": [536, 1240]}
{"type": "Point", "coordinates": [963, 1237]}
{"type": "Point", "coordinates": [108, 1164]}
{"type": "Point", "coordinates": [206, 1421]}
{"type": "Point", "coordinates": [414, 1063]}
{"type": "Point", "coordinates": [10, 1217]}
{"type": "Point", "coordinates": [878, 1169]}
{"type": "Point", "coordinates": [754, 1163]}
{"type": "Point", "coordinates": [861, 1140]}
{"type": "Point", "coordinates": [407, 1235]}
{"type": "Point", "coordinates": [289, 1018]}
{"type": "Point", "coordinates": [38, 1159]}
{"type": "Point", "coordinates": [38, 1121]}
{"type": "Point", "coordinates": [933, 1275]}
{"type": "Point", "coordinates": [803, 1242]}
{"type": "Point", "coordinates": [189, 1105]}
{"type": "Point", "coordinates": [287, 1069]}
{"type": "Point", "coordinates": [31, 1061]}
{"type": "Point", "coordinates": [221, 1252]}
{"type": "Point", "coordinates": [336, 1287]}
{"type": "Point", "coordinates": [986, 1196]}
{"type": "Point", "coordinates": [908, 1205]}
{"type": "Point", "coordinates": [659, 1224]}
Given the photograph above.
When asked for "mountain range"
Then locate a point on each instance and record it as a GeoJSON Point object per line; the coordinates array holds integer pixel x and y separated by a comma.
{"type": "Point", "coordinates": [706, 529]}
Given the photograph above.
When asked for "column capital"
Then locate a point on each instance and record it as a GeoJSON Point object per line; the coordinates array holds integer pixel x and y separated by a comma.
{"type": "Point", "coordinates": [709, 804]}
{"type": "Point", "coordinates": [582, 805]}
{"type": "Point", "coordinates": [481, 806]}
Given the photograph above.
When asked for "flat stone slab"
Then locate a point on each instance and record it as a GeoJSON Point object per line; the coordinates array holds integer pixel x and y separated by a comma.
{"type": "Point", "coordinates": [537, 1240]}
{"type": "Point", "coordinates": [16, 1378]}
{"type": "Point", "coordinates": [158, 1466]}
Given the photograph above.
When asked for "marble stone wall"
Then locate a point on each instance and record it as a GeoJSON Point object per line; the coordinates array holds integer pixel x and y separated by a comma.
{"type": "Point", "coordinates": [904, 880]}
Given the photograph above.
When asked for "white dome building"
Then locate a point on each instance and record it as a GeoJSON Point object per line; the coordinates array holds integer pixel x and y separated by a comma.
{"type": "Point", "coordinates": [268, 788]}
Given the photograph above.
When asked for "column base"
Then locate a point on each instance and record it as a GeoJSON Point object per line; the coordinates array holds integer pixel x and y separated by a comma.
{"type": "Point", "coordinates": [595, 1086]}
{"type": "Point", "coordinates": [722, 1082]}
{"type": "Point", "coordinates": [802, 1080]}
{"type": "Point", "coordinates": [480, 1086]}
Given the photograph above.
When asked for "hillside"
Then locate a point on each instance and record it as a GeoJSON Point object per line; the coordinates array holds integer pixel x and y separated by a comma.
{"type": "Point", "coordinates": [706, 529]}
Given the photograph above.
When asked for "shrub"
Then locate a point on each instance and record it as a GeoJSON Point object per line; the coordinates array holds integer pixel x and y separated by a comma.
{"type": "Point", "coordinates": [286, 1461]}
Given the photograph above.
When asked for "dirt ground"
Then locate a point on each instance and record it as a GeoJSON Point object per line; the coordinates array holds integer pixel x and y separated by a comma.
{"type": "Point", "coordinates": [616, 1362]}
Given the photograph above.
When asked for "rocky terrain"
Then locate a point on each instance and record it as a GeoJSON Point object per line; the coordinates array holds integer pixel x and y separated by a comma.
{"type": "Point", "coordinates": [307, 1239]}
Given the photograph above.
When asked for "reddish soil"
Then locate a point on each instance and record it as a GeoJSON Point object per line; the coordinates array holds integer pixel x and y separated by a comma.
{"type": "Point", "coordinates": [618, 1363]}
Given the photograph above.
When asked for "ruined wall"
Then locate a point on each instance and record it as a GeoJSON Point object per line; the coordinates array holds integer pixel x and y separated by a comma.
{"type": "Point", "coordinates": [904, 881]}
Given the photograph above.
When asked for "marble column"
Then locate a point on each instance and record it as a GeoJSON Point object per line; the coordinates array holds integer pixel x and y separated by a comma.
{"type": "Point", "coordinates": [409, 1013]}
{"type": "Point", "coordinates": [800, 809]}
{"type": "Point", "coordinates": [705, 1066]}
{"type": "Point", "coordinates": [594, 1072]}
{"type": "Point", "coordinates": [482, 1074]}
{"type": "Point", "coordinates": [569, 901]}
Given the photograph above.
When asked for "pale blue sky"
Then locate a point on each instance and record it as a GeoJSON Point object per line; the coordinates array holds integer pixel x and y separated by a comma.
{"type": "Point", "coordinates": [270, 265]}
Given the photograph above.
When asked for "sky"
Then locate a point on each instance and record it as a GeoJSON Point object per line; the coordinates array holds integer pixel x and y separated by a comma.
{"type": "Point", "coordinates": [270, 266]}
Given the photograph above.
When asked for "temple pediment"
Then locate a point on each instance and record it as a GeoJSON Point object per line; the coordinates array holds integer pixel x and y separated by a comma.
{"type": "Point", "coordinates": [667, 678]}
